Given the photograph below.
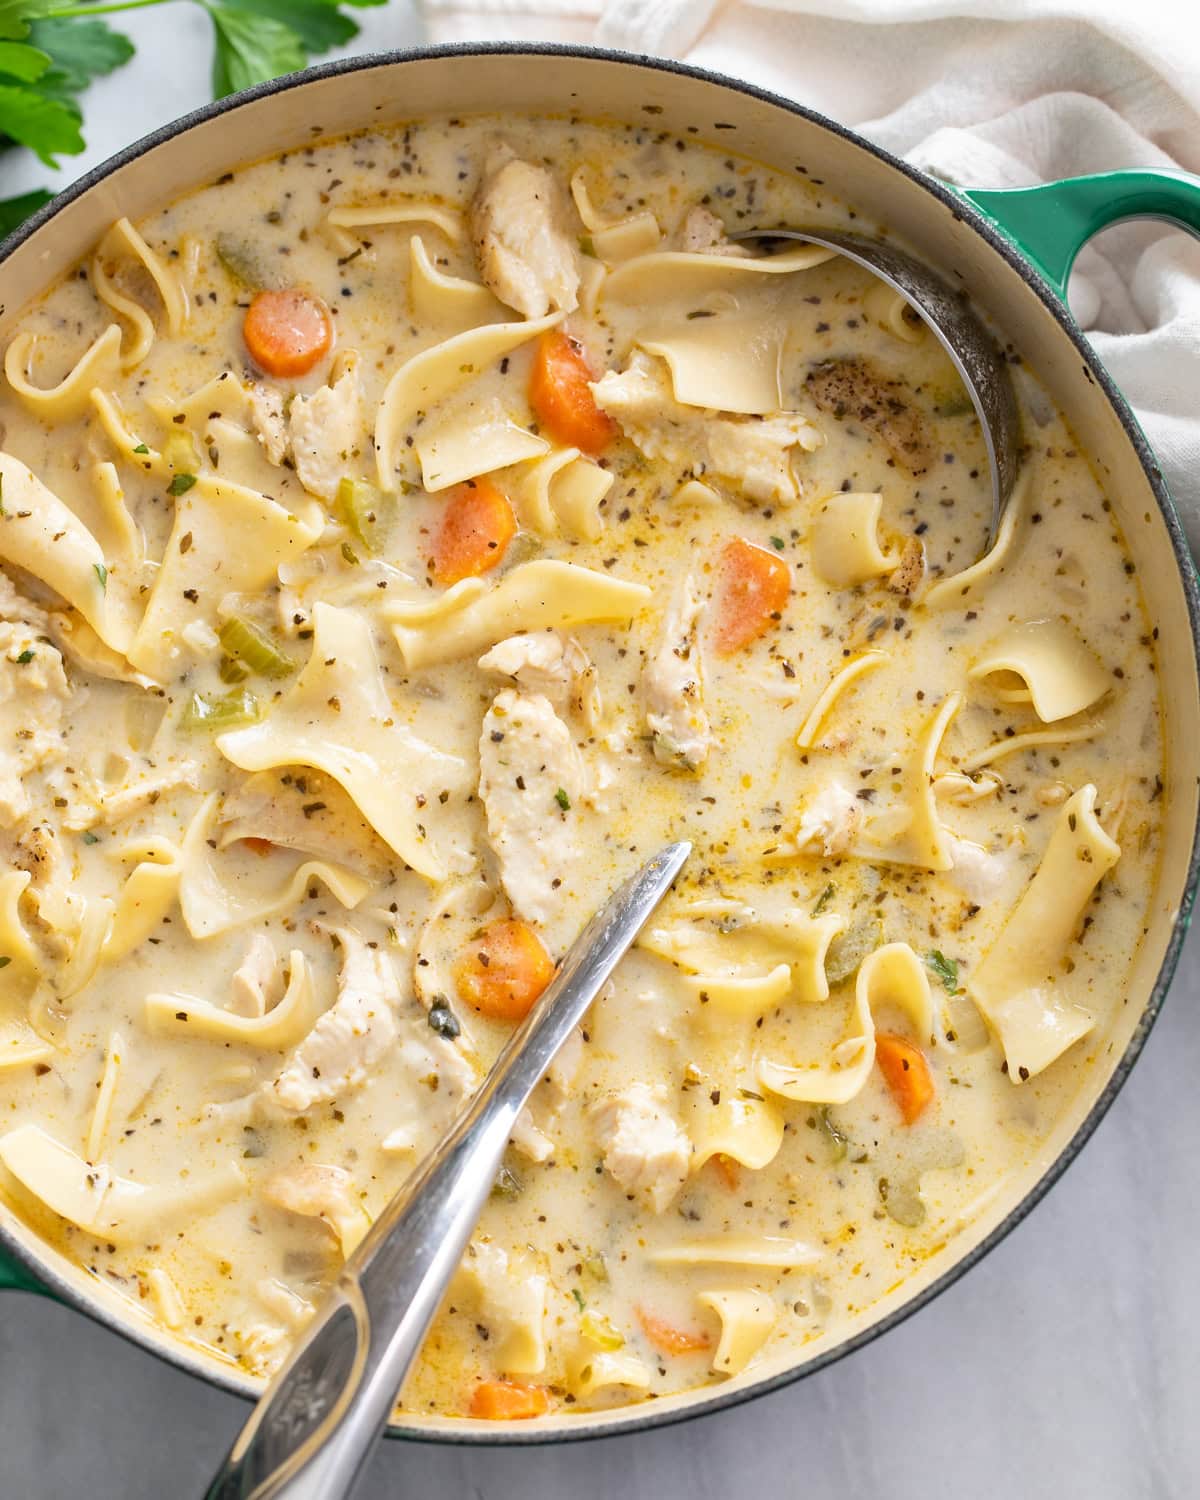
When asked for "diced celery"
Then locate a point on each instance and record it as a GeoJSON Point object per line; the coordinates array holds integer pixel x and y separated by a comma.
{"type": "Point", "coordinates": [597, 1329]}
{"type": "Point", "coordinates": [254, 648]}
{"type": "Point", "coordinates": [219, 714]}
{"type": "Point", "coordinates": [368, 512]}
{"type": "Point", "coordinates": [242, 261]}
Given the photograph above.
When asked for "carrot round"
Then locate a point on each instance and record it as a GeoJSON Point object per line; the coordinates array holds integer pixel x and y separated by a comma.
{"type": "Point", "coordinates": [905, 1072]}
{"type": "Point", "coordinates": [668, 1339]}
{"type": "Point", "coordinates": [561, 397]}
{"type": "Point", "coordinates": [753, 589]}
{"type": "Point", "coordinates": [504, 970]}
{"type": "Point", "coordinates": [287, 332]}
{"type": "Point", "coordinates": [506, 1401]}
{"type": "Point", "coordinates": [477, 525]}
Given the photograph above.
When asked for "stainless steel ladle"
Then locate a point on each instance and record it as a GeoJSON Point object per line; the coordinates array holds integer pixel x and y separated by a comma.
{"type": "Point", "coordinates": [972, 350]}
{"type": "Point", "coordinates": [313, 1430]}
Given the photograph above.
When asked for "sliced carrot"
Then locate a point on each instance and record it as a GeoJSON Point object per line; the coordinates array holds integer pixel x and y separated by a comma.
{"type": "Point", "coordinates": [726, 1168]}
{"type": "Point", "coordinates": [668, 1339]}
{"type": "Point", "coordinates": [905, 1072]}
{"type": "Point", "coordinates": [258, 846]}
{"type": "Point", "coordinates": [504, 970]}
{"type": "Point", "coordinates": [560, 394]}
{"type": "Point", "coordinates": [477, 525]}
{"type": "Point", "coordinates": [287, 332]}
{"type": "Point", "coordinates": [506, 1401]}
{"type": "Point", "coordinates": [753, 589]}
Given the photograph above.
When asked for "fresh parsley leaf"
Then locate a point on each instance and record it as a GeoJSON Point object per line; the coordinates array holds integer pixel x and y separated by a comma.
{"type": "Point", "coordinates": [47, 126]}
{"type": "Point", "coordinates": [141, 448]}
{"type": "Point", "coordinates": [250, 48]}
{"type": "Point", "coordinates": [20, 60]}
{"type": "Point", "coordinates": [89, 837]}
{"type": "Point", "coordinates": [945, 968]}
{"type": "Point", "coordinates": [562, 799]}
{"type": "Point", "coordinates": [15, 16]}
{"type": "Point", "coordinates": [102, 575]}
{"type": "Point", "coordinates": [14, 211]}
{"type": "Point", "coordinates": [25, 657]}
{"type": "Point", "coordinates": [80, 49]}
{"type": "Point", "coordinates": [180, 484]}
{"type": "Point", "coordinates": [578, 1295]}
{"type": "Point", "coordinates": [318, 23]}
{"type": "Point", "coordinates": [778, 543]}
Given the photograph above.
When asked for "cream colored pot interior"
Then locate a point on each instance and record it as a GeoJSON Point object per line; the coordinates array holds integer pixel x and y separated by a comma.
{"type": "Point", "coordinates": [606, 89]}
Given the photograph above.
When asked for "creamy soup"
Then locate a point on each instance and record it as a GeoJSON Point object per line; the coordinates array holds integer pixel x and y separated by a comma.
{"type": "Point", "coordinates": [402, 540]}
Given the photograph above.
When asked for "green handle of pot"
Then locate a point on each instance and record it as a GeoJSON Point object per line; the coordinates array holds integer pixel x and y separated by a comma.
{"type": "Point", "coordinates": [1052, 223]}
{"type": "Point", "coordinates": [15, 1278]}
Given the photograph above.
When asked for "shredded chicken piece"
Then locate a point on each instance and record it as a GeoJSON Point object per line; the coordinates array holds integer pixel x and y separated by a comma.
{"type": "Point", "coordinates": [907, 577]}
{"type": "Point", "coordinates": [704, 234]}
{"type": "Point", "coordinates": [257, 984]}
{"type": "Point", "coordinates": [327, 430]}
{"type": "Point", "coordinates": [321, 1192]}
{"type": "Point", "coordinates": [829, 821]}
{"type": "Point", "coordinates": [33, 696]}
{"type": "Point", "coordinates": [349, 1039]}
{"type": "Point", "coordinates": [531, 778]}
{"type": "Point", "coordinates": [673, 685]}
{"type": "Point", "coordinates": [754, 454]}
{"type": "Point", "coordinates": [645, 1149]}
{"type": "Point", "coordinates": [518, 226]}
{"type": "Point", "coordinates": [543, 662]}
{"type": "Point", "coordinates": [268, 420]}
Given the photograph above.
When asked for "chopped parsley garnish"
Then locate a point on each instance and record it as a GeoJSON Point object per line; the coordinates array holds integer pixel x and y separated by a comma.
{"type": "Point", "coordinates": [578, 1295]}
{"type": "Point", "coordinates": [945, 968]}
{"type": "Point", "coordinates": [25, 657]}
{"type": "Point", "coordinates": [141, 448]}
{"type": "Point", "coordinates": [777, 543]}
{"type": "Point", "coordinates": [101, 574]}
{"type": "Point", "coordinates": [562, 799]}
{"type": "Point", "coordinates": [180, 484]}
{"type": "Point", "coordinates": [4, 962]}
{"type": "Point", "coordinates": [91, 838]}
{"type": "Point", "coordinates": [824, 899]}
{"type": "Point", "coordinates": [443, 1020]}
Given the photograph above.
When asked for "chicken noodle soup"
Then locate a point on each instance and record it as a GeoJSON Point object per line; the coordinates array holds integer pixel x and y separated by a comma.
{"type": "Point", "coordinates": [404, 538]}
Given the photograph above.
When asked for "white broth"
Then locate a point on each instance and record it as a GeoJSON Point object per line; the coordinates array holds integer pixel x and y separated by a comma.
{"type": "Point", "coordinates": [404, 538]}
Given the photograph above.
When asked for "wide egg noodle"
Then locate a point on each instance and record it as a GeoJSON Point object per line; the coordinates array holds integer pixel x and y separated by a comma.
{"type": "Point", "coordinates": [893, 975]}
{"type": "Point", "coordinates": [1055, 671]}
{"type": "Point", "coordinates": [747, 1318]}
{"type": "Point", "coordinates": [428, 378]}
{"type": "Point", "coordinates": [147, 895]}
{"type": "Point", "coordinates": [849, 674]}
{"type": "Point", "coordinates": [512, 1298]}
{"type": "Point", "coordinates": [472, 438]}
{"type": "Point", "coordinates": [211, 905]}
{"type": "Point", "coordinates": [910, 832]}
{"type": "Point", "coordinates": [544, 594]}
{"type": "Point", "coordinates": [1061, 734]}
{"type": "Point", "coordinates": [614, 239]}
{"type": "Point", "coordinates": [1018, 984]}
{"type": "Point", "coordinates": [97, 365]}
{"type": "Point", "coordinates": [668, 276]}
{"type": "Point", "coordinates": [963, 590]}
{"type": "Point", "coordinates": [388, 213]}
{"type": "Point", "coordinates": [201, 565]}
{"type": "Point", "coordinates": [91, 1196]}
{"type": "Point", "coordinates": [124, 239]}
{"type": "Point", "coordinates": [439, 300]}
{"type": "Point", "coordinates": [563, 492]}
{"type": "Point", "coordinates": [845, 540]}
{"type": "Point", "coordinates": [380, 763]}
{"type": "Point", "coordinates": [40, 534]}
{"type": "Point", "coordinates": [282, 1027]}
{"type": "Point", "coordinates": [757, 1251]}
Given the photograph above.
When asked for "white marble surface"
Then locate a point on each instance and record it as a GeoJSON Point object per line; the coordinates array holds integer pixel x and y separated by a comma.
{"type": "Point", "coordinates": [1064, 1366]}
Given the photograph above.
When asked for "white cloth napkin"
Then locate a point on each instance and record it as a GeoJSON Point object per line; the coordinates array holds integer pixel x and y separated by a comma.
{"type": "Point", "coordinates": [983, 93]}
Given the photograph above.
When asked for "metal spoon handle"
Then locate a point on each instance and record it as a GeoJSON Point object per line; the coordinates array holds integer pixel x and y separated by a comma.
{"type": "Point", "coordinates": [311, 1433]}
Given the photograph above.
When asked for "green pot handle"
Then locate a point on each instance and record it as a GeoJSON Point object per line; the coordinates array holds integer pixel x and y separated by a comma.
{"type": "Point", "coordinates": [1051, 224]}
{"type": "Point", "coordinates": [15, 1278]}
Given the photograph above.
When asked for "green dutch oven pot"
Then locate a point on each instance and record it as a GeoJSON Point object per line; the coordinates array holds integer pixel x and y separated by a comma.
{"type": "Point", "coordinates": [1011, 251]}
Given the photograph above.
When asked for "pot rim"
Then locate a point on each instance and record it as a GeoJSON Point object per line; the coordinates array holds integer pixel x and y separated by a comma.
{"type": "Point", "coordinates": [649, 1416]}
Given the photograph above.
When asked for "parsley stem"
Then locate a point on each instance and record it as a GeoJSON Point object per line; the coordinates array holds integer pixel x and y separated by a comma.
{"type": "Point", "coordinates": [99, 10]}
